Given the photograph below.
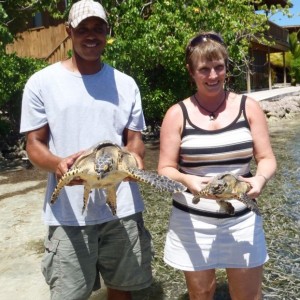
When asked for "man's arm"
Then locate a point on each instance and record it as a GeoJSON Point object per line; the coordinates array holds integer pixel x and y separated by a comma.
{"type": "Point", "coordinates": [38, 151]}
{"type": "Point", "coordinates": [40, 155]}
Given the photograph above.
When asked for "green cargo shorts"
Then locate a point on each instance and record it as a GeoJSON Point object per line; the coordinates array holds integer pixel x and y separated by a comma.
{"type": "Point", "coordinates": [120, 250]}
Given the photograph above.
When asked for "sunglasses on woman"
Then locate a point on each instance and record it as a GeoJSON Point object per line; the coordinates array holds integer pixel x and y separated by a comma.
{"type": "Point", "coordinates": [204, 37]}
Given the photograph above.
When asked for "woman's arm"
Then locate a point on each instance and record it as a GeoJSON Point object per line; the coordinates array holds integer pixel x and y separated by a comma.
{"type": "Point", "coordinates": [170, 140]}
{"type": "Point", "coordinates": [262, 149]}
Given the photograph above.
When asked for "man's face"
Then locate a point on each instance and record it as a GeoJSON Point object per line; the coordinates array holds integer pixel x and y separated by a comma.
{"type": "Point", "coordinates": [89, 38]}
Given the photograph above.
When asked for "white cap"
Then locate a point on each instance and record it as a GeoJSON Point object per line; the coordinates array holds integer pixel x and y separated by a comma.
{"type": "Point", "coordinates": [84, 9]}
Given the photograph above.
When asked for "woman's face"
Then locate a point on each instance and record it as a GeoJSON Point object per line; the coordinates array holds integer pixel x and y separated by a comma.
{"type": "Point", "coordinates": [209, 76]}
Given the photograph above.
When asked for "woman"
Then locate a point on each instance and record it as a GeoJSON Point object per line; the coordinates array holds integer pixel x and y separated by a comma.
{"type": "Point", "coordinates": [211, 132]}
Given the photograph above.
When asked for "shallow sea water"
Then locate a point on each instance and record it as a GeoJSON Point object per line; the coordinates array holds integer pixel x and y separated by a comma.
{"type": "Point", "coordinates": [281, 210]}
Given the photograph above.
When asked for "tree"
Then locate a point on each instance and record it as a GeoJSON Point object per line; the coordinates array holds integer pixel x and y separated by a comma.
{"type": "Point", "coordinates": [295, 57]}
{"type": "Point", "coordinates": [148, 40]}
{"type": "Point", "coordinates": [14, 15]}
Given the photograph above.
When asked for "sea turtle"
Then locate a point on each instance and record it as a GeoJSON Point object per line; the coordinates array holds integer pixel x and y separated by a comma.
{"type": "Point", "coordinates": [104, 166]}
{"type": "Point", "coordinates": [227, 186]}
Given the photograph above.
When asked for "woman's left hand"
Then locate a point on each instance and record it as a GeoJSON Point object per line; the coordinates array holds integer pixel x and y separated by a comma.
{"type": "Point", "coordinates": [257, 183]}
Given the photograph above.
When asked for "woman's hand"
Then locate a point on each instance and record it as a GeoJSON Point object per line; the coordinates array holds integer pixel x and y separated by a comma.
{"type": "Point", "coordinates": [195, 183]}
{"type": "Point", "coordinates": [257, 183]}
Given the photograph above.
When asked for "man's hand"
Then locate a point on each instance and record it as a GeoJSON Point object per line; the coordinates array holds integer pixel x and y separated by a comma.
{"type": "Point", "coordinates": [65, 164]}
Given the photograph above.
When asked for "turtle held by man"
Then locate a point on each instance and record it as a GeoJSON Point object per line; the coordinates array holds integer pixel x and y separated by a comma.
{"type": "Point", "coordinates": [104, 166]}
{"type": "Point", "coordinates": [227, 186]}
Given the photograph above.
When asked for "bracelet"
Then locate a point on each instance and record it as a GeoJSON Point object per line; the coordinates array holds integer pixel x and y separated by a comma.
{"type": "Point", "coordinates": [266, 179]}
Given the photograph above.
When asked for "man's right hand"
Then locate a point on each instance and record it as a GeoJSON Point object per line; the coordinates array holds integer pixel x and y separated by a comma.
{"type": "Point", "coordinates": [65, 164]}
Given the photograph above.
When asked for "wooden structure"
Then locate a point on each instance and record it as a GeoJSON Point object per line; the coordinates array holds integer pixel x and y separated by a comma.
{"type": "Point", "coordinates": [44, 37]}
{"type": "Point", "coordinates": [259, 76]}
{"type": "Point", "coordinates": [51, 44]}
{"type": "Point", "coordinates": [292, 28]}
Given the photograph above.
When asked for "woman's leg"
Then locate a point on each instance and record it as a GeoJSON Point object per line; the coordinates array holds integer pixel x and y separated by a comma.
{"type": "Point", "coordinates": [245, 283]}
{"type": "Point", "coordinates": [201, 284]}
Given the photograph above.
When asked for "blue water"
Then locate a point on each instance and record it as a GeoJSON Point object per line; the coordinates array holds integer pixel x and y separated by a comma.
{"type": "Point", "coordinates": [280, 202]}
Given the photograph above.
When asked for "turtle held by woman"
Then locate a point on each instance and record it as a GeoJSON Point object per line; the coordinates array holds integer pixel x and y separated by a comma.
{"type": "Point", "coordinates": [104, 166]}
{"type": "Point", "coordinates": [227, 186]}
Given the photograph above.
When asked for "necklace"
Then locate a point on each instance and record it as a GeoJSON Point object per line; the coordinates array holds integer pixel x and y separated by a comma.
{"type": "Point", "coordinates": [212, 115]}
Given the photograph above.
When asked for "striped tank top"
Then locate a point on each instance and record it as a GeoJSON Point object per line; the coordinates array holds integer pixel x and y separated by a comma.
{"type": "Point", "coordinates": [211, 152]}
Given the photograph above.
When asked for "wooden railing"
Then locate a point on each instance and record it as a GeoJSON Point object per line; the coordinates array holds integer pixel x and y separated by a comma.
{"type": "Point", "coordinates": [278, 34]}
{"type": "Point", "coordinates": [60, 52]}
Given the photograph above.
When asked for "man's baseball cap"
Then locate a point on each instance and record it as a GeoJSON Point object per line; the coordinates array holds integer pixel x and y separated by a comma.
{"type": "Point", "coordinates": [84, 9]}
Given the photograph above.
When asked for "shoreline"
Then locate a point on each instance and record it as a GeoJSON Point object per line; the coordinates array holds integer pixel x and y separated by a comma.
{"type": "Point", "coordinates": [275, 109]}
{"type": "Point", "coordinates": [285, 108]}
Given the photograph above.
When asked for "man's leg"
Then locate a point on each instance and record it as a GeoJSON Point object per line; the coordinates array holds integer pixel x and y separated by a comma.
{"type": "Point", "coordinates": [69, 262]}
{"type": "Point", "coordinates": [125, 254]}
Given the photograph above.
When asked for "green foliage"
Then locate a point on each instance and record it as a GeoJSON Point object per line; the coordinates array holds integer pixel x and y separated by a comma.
{"type": "Point", "coordinates": [294, 44]}
{"type": "Point", "coordinates": [292, 58]}
{"type": "Point", "coordinates": [16, 14]}
{"type": "Point", "coordinates": [15, 71]}
{"type": "Point", "coordinates": [295, 71]}
{"type": "Point", "coordinates": [277, 59]}
{"type": "Point", "coordinates": [294, 65]}
{"type": "Point", "coordinates": [148, 40]}
{"type": "Point", "coordinates": [5, 35]}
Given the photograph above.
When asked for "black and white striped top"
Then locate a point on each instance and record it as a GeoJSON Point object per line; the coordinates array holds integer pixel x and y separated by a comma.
{"type": "Point", "coordinates": [210, 152]}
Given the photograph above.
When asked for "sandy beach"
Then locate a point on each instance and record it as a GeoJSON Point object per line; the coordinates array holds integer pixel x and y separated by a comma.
{"type": "Point", "coordinates": [22, 233]}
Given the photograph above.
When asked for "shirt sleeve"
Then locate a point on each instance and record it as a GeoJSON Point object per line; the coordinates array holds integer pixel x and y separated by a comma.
{"type": "Point", "coordinates": [136, 121]}
{"type": "Point", "coordinates": [33, 114]}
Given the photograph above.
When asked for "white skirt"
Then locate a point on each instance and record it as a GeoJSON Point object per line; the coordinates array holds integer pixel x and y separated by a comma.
{"type": "Point", "coordinates": [195, 243]}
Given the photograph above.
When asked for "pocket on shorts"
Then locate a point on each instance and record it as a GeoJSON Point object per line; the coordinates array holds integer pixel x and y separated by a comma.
{"type": "Point", "coordinates": [49, 261]}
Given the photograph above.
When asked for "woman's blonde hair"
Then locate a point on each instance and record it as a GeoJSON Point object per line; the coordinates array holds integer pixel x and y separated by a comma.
{"type": "Point", "coordinates": [205, 46]}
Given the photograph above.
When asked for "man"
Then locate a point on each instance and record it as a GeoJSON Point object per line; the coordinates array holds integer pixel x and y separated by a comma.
{"type": "Point", "coordinates": [68, 107]}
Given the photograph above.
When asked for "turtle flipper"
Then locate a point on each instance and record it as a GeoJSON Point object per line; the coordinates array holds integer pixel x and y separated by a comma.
{"type": "Point", "coordinates": [111, 199]}
{"type": "Point", "coordinates": [86, 194]}
{"type": "Point", "coordinates": [251, 204]}
{"type": "Point", "coordinates": [162, 183]}
{"type": "Point", "coordinates": [227, 206]}
{"type": "Point", "coordinates": [64, 180]}
{"type": "Point", "coordinates": [196, 199]}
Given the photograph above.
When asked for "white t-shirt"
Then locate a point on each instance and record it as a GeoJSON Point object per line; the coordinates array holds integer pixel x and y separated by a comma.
{"type": "Point", "coordinates": [82, 110]}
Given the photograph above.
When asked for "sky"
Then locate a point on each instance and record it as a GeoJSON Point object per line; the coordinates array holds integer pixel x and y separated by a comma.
{"type": "Point", "coordinates": [282, 20]}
